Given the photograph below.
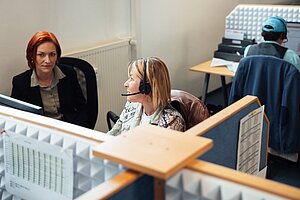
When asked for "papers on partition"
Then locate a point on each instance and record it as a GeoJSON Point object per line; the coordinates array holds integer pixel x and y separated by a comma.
{"type": "Point", "coordinates": [232, 66]}
{"type": "Point", "coordinates": [249, 143]}
{"type": "Point", "coordinates": [37, 170]}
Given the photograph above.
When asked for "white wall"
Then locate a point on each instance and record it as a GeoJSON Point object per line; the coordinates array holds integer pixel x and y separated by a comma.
{"type": "Point", "coordinates": [76, 24]}
{"type": "Point", "coordinates": [183, 34]}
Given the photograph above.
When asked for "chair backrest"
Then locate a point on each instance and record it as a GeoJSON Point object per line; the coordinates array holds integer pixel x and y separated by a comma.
{"type": "Point", "coordinates": [277, 85]}
{"type": "Point", "coordinates": [87, 79]}
{"type": "Point", "coordinates": [190, 107]}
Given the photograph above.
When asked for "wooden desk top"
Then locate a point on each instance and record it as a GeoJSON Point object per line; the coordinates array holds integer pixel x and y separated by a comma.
{"type": "Point", "coordinates": [153, 150]}
{"type": "Point", "coordinates": [206, 68]}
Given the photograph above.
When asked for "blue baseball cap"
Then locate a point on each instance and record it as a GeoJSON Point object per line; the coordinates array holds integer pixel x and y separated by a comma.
{"type": "Point", "coordinates": [275, 24]}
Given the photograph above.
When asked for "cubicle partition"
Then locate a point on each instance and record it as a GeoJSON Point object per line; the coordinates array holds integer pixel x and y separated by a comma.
{"type": "Point", "coordinates": [250, 17]}
{"type": "Point", "coordinates": [204, 180]}
{"type": "Point", "coordinates": [224, 128]}
{"type": "Point", "coordinates": [46, 160]}
{"type": "Point", "coordinates": [146, 163]}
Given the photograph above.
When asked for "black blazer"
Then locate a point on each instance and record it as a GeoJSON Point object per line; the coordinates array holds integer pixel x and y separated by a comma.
{"type": "Point", "coordinates": [72, 102]}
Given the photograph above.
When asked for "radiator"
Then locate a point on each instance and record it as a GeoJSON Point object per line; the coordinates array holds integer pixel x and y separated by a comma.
{"type": "Point", "coordinates": [110, 61]}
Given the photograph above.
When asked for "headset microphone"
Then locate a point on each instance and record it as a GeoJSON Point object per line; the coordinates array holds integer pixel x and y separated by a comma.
{"type": "Point", "coordinates": [145, 87]}
{"type": "Point", "coordinates": [130, 94]}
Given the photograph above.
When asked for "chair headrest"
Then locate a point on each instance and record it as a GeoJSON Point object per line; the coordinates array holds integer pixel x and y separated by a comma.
{"type": "Point", "coordinates": [191, 108]}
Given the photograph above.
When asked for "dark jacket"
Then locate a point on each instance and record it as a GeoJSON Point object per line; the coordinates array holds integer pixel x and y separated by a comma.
{"type": "Point", "coordinates": [72, 102]}
{"type": "Point", "coordinates": [276, 83]}
{"type": "Point", "coordinates": [269, 49]}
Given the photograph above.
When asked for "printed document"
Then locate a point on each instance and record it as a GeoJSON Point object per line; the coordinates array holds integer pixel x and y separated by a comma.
{"type": "Point", "coordinates": [232, 66]}
{"type": "Point", "coordinates": [249, 143]}
{"type": "Point", "coordinates": [37, 170]}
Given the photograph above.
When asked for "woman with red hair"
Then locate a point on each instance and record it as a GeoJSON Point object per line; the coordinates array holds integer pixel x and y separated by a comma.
{"type": "Point", "coordinates": [49, 85]}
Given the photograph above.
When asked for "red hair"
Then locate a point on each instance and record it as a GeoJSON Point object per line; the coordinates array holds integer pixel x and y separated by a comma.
{"type": "Point", "coordinates": [36, 40]}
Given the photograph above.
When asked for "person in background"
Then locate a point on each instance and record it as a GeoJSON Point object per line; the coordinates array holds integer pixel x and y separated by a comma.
{"type": "Point", "coordinates": [148, 98]}
{"type": "Point", "coordinates": [54, 88]}
{"type": "Point", "coordinates": [274, 32]}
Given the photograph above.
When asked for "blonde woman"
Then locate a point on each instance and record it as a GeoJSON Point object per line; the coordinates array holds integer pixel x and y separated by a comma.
{"type": "Point", "coordinates": [148, 98]}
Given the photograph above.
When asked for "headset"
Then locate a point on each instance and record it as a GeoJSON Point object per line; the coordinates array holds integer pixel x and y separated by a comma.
{"type": "Point", "coordinates": [285, 28]}
{"type": "Point", "coordinates": [145, 87]}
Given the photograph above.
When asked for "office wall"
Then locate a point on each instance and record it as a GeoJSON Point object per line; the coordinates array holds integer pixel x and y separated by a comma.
{"type": "Point", "coordinates": [184, 33]}
{"type": "Point", "coordinates": [77, 24]}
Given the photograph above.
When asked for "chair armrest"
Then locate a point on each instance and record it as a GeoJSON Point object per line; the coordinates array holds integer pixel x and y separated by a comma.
{"type": "Point", "coordinates": [111, 116]}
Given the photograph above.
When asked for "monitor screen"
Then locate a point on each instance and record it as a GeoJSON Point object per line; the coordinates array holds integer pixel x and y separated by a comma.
{"type": "Point", "coordinates": [293, 35]}
{"type": "Point", "coordinates": [20, 105]}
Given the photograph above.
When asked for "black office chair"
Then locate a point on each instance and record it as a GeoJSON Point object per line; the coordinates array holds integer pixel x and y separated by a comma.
{"type": "Point", "coordinates": [276, 83]}
{"type": "Point", "coordinates": [190, 107]}
{"type": "Point", "coordinates": [111, 117]}
{"type": "Point", "coordinates": [87, 79]}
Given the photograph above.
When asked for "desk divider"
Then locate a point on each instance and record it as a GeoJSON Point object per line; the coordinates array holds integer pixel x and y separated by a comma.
{"type": "Point", "coordinates": [89, 171]}
{"type": "Point", "coordinates": [250, 17]}
{"type": "Point", "coordinates": [223, 129]}
{"type": "Point", "coordinates": [187, 178]}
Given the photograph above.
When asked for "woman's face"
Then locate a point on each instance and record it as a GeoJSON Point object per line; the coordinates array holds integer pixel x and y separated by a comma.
{"type": "Point", "coordinates": [132, 86]}
{"type": "Point", "coordinates": [46, 57]}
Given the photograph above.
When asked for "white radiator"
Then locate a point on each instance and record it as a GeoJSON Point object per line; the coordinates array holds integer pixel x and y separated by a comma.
{"type": "Point", "coordinates": [110, 63]}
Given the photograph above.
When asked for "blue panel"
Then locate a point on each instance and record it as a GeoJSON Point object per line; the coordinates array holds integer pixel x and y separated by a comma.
{"type": "Point", "coordinates": [143, 188]}
{"type": "Point", "coordinates": [225, 138]}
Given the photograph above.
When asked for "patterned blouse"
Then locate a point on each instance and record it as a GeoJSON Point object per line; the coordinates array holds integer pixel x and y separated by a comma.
{"type": "Point", "coordinates": [131, 116]}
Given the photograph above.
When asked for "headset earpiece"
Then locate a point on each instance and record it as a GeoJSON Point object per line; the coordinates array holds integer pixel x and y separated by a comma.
{"type": "Point", "coordinates": [145, 87]}
{"type": "Point", "coordinates": [284, 24]}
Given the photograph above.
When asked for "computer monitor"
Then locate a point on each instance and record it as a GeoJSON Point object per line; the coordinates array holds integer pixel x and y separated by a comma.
{"type": "Point", "coordinates": [20, 105]}
{"type": "Point", "coordinates": [293, 34]}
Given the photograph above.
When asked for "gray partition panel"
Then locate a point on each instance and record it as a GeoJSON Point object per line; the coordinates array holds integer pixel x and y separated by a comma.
{"type": "Point", "coordinates": [89, 171]}
{"type": "Point", "coordinates": [225, 138]}
{"type": "Point", "coordinates": [143, 188]}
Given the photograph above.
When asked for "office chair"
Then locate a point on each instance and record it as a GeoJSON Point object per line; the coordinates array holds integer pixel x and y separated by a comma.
{"type": "Point", "coordinates": [87, 79]}
{"type": "Point", "coordinates": [277, 85]}
{"type": "Point", "coordinates": [190, 107]}
{"type": "Point", "coordinates": [111, 117]}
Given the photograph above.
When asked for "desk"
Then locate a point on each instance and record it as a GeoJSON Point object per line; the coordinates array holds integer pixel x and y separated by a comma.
{"type": "Point", "coordinates": [222, 71]}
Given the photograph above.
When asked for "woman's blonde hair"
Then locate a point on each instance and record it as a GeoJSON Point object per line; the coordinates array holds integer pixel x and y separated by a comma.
{"type": "Point", "coordinates": [157, 76]}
